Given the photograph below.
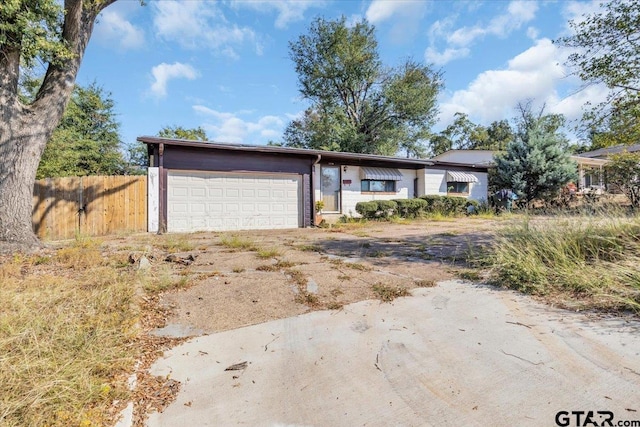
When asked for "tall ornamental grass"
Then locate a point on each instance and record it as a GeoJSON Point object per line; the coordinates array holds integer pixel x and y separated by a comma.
{"type": "Point", "coordinates": [593, 259]}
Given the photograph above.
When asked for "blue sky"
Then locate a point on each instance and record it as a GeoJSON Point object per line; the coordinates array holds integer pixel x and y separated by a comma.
{"type": "Point", "coordinates": [225, 66]}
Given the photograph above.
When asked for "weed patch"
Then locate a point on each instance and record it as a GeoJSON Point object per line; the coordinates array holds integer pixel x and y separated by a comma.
{"type": "Point", "coordinates": [65, 340]}
{"type": "Point", "coordinates": [238, 244]}
{"type": "Point", "coordinates": [389, 293]}
{"type": "Point", "coordinates": [589, 260]}
{"type": "Point", "coordinates": [471, 275]}
{"type": "Point", "coordinates": [309, 248]}
{"type": "Point", "coordinates": [424, 283]}
{"type": "Point", "coordinates": [176, 243]}
{"type": "Point", "coordinates": [265, 253]}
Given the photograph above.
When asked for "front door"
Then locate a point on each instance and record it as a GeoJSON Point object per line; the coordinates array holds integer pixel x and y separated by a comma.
{"type": "Point", "coordinates": [330, 188]}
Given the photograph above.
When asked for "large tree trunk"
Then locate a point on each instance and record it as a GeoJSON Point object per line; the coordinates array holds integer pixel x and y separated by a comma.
{"type": "Point", "coordinates": [26, 129]}
{"type": "Point", "coordinates": [21, 146]}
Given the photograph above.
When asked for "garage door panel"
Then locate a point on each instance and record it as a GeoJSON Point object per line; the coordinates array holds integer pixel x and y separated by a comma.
{"type": "Point", "coordinates": [218, 201]}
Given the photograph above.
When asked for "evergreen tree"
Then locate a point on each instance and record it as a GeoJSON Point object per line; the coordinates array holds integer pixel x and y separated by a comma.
{"type": "Point", "coordinates": [536, 163]}
{"type": "Point", "coordinates": [87, 140]}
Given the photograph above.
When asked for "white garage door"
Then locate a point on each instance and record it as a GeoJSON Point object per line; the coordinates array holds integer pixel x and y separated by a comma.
{"type": "Point", "coordinates": [225, 201]}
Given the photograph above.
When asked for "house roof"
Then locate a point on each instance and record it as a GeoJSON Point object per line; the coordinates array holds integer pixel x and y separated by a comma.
{"type": "Point", "coordinates": [605, 152]}
{"type": "Point", "coordinates": [468, 157]}
{"type": "Point", "coordinates": [326, 156]}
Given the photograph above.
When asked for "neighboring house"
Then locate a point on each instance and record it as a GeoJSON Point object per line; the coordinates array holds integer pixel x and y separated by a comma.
{"type": "Point", "coordinates": [604, 153]}
{"type": "Point", "coordinates": [589, 168]}
{"type": "Point", "coordinates": [591, 164]}
{"type": "Point", "coordinates": [207, 186]}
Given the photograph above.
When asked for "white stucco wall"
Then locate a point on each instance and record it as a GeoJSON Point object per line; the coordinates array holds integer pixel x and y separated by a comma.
{"type": "Point", "coordinates": [351, 193]}
{"type": "Point", "coordinates": [478, 190]}
{"type": "Point", "coordinates": [430, 181]}
{"type": "Point", "coordinates": [435, 182]}
{"type": "Point", "coordinates": [469, 157]}
{"type": "Point", "coordinates": [153, 199]}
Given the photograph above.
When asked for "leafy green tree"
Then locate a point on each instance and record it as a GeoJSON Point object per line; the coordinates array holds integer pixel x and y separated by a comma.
{"type": "Point", "coordinates": [55, 34]}
{"type": "Point", "coordinates": [463, 134]}
{"type": "Point", "coordinates": [623, 173]}
{"type": "Point", "coordinates": [608, 52]}
{"type": "Point", "coordinates": [536, 164]}
{"type": "Point", "coordinates": [87, 140]}
{"type": "Point", "coordinates": [499, 135]}
{"type": "Point", "coordinates": [179, 132]}
{"type": "Point", "coordinates": [137, 156]}
{"type": "Point", "coordinates": [358, 105]}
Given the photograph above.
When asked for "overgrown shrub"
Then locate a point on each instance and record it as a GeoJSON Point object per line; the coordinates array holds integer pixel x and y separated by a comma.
{"type": "Point", "coordinates": [445, 205]}
{"type": "Point", "coordinates": [369, 210]}
{"type": "Point", "coordinates": [376, 209]}
{"type": "Point", "coordinates": [387, 208]}
{"type": "Point", "coordinates": [592, 258]}
{"type": "Point", "coordinates": [410, 208]}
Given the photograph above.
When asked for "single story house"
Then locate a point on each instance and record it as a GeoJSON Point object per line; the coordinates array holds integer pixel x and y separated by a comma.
{"type": "Point", "coordinates": [210, 186]}
{"type": "Point", "coordinates": [590, 168]}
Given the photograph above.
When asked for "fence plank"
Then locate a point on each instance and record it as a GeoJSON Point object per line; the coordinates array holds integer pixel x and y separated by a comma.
{"type": "Point", "coordinates": [112, 204]}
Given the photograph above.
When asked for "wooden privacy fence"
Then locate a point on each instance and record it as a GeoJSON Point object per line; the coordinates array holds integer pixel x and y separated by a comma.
{"type": "Point", "coordinates": [90, 205]}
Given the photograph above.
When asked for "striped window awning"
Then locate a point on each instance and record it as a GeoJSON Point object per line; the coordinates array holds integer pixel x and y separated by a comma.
{"type": "Point", "coordinates": [380, 174]}
{"type": "Point", "coordinates": [461, 177]}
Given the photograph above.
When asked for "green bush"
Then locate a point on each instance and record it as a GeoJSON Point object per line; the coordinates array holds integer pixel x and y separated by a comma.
{"type": "Point", "coordinates": [368, 210]}
{"type": "Point", "coordinates": [377, 209]}
{"type": "Point", "coordinates": [387, 208]}
{"type": "Point", "coordinates": [410, 208]}
{"type": "Point", "coordinates": [446, 205]}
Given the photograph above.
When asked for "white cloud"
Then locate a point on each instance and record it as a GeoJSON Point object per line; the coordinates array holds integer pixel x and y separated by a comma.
{"type": "Point", "coordinates": [112, 27]}
{"type": "Point", "coordinates": [195, 24]}
{"type": "Point", "coordinates": [164, 72]}
{"type": "Point", "coordinates": [288, 10]}
{"type": "Point", "coordinates": [381, 10]}
{"type": "Point", "coordinates": [440, 58]}
{"type": "Point", "coordinates": [230, 127]}
{"type": "Point", "coordinates": [535, 74]}
{"type": "Point", "coordinates": [533, 33]}
{"type": "Point", "coordinates": [407, 14]}
{"type": "Point", "coordinates": [576, 10]}
{"type": "Point", "coordinates": [518, 13]}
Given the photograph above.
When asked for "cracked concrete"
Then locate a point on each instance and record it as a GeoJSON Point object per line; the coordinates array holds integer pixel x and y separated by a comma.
{"type": "Point", "coordinates": [456, 354]}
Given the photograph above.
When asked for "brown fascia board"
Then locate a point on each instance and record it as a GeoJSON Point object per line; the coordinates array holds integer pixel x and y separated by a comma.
{"type": "Point", "coordinates": [326, 156]}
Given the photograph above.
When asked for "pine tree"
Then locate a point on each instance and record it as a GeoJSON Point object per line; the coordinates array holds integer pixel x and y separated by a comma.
{"type": "Point", "coordinates": [536, 163]}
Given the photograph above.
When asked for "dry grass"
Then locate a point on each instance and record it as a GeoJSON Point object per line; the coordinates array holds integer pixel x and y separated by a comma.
{"type": "Point", "coordinates": [72, 328]}
{"type": "Point", "coordinates": [389, 293]}
{"type": "Point", "coordinates": [590, 262]}
{"type": "Point", "coordinates": [238, 243]}
{"type": "Point", "coordinates": [424, 283]}
{"type": "Point", "coordinates": [265, 253]}
{"type": "Point", "coordinates": [66, 329]}
{"type": "Point", "coordinates": [175, 243]}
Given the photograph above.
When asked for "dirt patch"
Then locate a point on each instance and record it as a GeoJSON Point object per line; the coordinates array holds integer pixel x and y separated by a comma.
{"type": "Point", "coordinates": [244, 278]}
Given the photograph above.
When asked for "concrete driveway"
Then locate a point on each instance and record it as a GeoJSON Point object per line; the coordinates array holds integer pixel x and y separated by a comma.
{"type": "Point", "coordinates": [453, 355]}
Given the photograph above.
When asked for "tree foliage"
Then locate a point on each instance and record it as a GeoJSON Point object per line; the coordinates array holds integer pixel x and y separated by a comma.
{"type": "Point", "coordinates": [54, 34]}
{"type": "Point", "coordinates": [608, 51]}
{"type": "Point", "coordinates": [179, 132]}
{"type": "Point", "coordinates": [463, 134]}
{"type": "Point", "coordinates": [357, 104]}
{"type": "Point", "coordinates": [87, 140]}
{"type": "Point", "coordinates": [536, 163]}
{"type": "Point", "coordinates": [623, 174]}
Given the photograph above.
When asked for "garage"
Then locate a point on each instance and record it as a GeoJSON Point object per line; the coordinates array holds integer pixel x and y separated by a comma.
{"type": "Point", "coordinates": [218, 201]}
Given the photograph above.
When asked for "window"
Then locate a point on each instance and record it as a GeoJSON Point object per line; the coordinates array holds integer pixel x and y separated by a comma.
{"type": "Point", "coordinates": [458, 187]}
{"type": "Point", "coordinates": [378, 186]}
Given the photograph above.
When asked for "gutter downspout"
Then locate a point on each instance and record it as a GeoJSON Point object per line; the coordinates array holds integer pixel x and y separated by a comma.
{"type": "Point", "coordinates": [313, 189]}
{"type": "Point", "coordinates": [162, 223]}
